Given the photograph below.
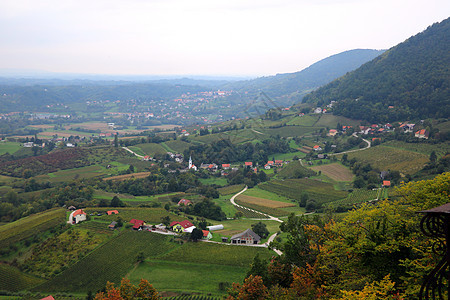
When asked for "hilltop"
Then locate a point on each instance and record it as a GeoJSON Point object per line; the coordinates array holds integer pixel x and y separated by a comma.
{"type": "Point", "coordinates": [410, 80]}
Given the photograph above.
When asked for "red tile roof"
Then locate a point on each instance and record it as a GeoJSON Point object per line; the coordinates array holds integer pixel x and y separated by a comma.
{"type": "Point", "coordinates": [225, 165]}
{"type": "Point", "coordinates": [386, 183]}
{"type": "Point", "coordinates": [186, 224]}
{"type": "Point", "coordinates": [110, 212]}
{"type": "Point", "coordinates": [248, 163]}
{"type": "Point", "coordinates": [78, 212]}
{"type": "Point", "coordinates": [205, 233]}
{"type": "Point", "coordinates": [184, 201]}
{"type": "Point", "coordinates": [48, 298]}
{"type": "Point", "coordinates": [174, 223]}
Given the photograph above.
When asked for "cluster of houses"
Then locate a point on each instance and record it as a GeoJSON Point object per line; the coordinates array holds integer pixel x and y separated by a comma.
{"type": "Point", "coordinates": [383, 128]}
{"type": "Point", "coordinates": [248, 236]}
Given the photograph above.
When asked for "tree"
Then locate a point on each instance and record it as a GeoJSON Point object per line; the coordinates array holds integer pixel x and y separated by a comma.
{"type": "Point", "coordinates": [116, 140]}
{"type": "Point", "coordinates": [433, 157]}
{"type": "Point", "coordinates": [196, 234]}
{"type": "Point", "coordinates": [127, 291]}
{"type": "Point", "coordinates": [239, 214]}
{"type": "Point", "coordinates": [303, 199]}
{"type": "Point", "coordinates": [258, 268]}
{"type": "Point", "coordinates": [165, 220]}
{"type": "Point", "coordinates": [252, 289]}
{"type": "Point", "coordinates": [116, 202]}
{"type": "Point", "coordinates": [260, 229]}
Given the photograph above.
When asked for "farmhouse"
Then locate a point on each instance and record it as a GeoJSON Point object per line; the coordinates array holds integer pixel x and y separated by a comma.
{"type": "Point", "coordinates": [112, 212]}
{"type": "Point", "coordinates": [225, 166]}
{"type": "Point", "coordinates": [180, 226]}
{"type": "Point", "coordinates": [246, 237]}
{"type": "Point", "coordinates": [137, 224]}
{"type": "Point", "coordinates": [422, 134]}
{"type": "Point", "coordinates": [248, 164]}
{"type": "Point", "coordinates": [77, 216]}
{"type": "Point", "coordinates": [206, 235]}
{"type": "Point", "coordinates": [332, 132]}
{"type": "Point", "coordinates": [317, 148]}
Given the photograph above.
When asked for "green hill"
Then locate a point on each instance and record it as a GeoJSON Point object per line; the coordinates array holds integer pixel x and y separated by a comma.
{"type": "Point", "coordinates": [310, 78]}
{"type": "Point", "coordinates": [410, 80]}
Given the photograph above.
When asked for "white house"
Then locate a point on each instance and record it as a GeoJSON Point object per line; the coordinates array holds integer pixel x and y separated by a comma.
{"type": "Point", "coordinates": [77, 216]}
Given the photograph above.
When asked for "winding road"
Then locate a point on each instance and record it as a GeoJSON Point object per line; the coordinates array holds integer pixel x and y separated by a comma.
{"type": "Point", "coordinates": [272, 237]}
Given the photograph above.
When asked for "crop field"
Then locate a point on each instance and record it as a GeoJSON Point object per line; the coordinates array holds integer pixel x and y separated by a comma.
{"type": "Point", "coordinates": [335, 171]}
{"type": "Point", "coordinates": [248, 200]}
{"type": "Point", "coordinates": [9, 147]}
{"type": "Point", "coordinates": [250, 214]}
{"type": "Point", "coordinates": [71, 174]}
{"type": "Point", "coordinates": [422, 148]}
{"type": "Point", "coordinates": [13, 280]}
{"type": "Point", "coordinates": [356, 197]}
{"type": "Point", "coordinates": [31, 225]}
{"type": "Point", "coordinates": [152, 215]}
{"type": "Point", "coordinates": [96, 226]}
{"type": "Point", "coordinates": [257, 192]}
{"type": "Point", "coordinates": [177, 145]}
{"type": "Point", "coordinates": [128, 176]}
{"type": "Point", "coordinates": [329, 120]}
{"type": "Point", "coordinates": [221, 181]}
{"type": "Point", "coordinates": [306, 120]}
{"type": "Point", "coordinates": [231, 189]}
{"type": "Point", "coordinates": [289, 131]}
{"type": "Point", "coordinates": [385, 158]}
{"type": "Point", "coordinates": [293, 188]}
{"type": "Point", "coordinates": [109, 262]}
{"type": "Point", "coordinates": [192, 297]}
{"type": "Point", "coordinates": [149, 149]}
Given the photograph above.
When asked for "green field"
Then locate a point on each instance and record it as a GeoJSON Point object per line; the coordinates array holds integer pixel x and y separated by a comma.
{"type": "Point", "coordinates": [260, 193]}
{"type": "Point", "coordinates": [177, 146]}
{"type": "Point", "coordinates": [9, 147]}
{"type": "Point", "coordinates": [149, 149]}
{"type": "Point", "coordinates": [321, 192]}
{"type": "Point", "coordinates": [77, 173]}
{"type": "Point", "coordinates": [306, 120]}
{"type": "Point", "coordinates": [30, 226]}
{"type": "Point", "coordinates": [289, 131]}
{"type": "Point", "coordinates": [12, 279]}
{"type": "Point", "coordinates": [221, 181]}
{"type": "Point", "coordinates": [232, 189]}
{"type": "Point", "coordinates": [330, 121]}
{"type": "Point", "coordinates": [151, 215]}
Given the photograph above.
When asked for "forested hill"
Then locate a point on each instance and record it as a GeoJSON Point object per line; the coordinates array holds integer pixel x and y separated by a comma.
{"type": "Point", "coordinates": [317, 74]}
{"type": "Point", "coordinates": [410, 80]}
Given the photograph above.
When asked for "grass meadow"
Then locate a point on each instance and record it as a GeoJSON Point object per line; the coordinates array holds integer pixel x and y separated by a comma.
{"type": "Point", "coordinates": [9, 147]}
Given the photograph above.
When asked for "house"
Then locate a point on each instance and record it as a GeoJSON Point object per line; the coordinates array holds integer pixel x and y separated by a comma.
{"type": "Point", "coordinates": [226, 166]}
{"type": "Point", "coordinates": [386, 183]}
{"type": "Point", "coordinates": [332, 132]}
{"type": "Point", "coordinates": [184, 202]}
{"type": "Point", "coordinates": [147, 158]}
{"type": "Point", "coordinates": [364, 129]}
{"type": "Point", "coordinates": [422, 134]}
{"type": "Point", "coordinates": [71, 207]}
{"type": "Point", "coordinates": [180, 226]}
{"type": "Point", "coordinates": [112, 225]}
{"type": "Point", "coordinates": [270, 163]}
{"type": "Point", "coordinates": [246, 237]}
{"type": "Point", "coordinates": [248, 164]}
{"type": "Point", "coordinates": [321, 156]}
{"type": "Point", "coordinates": [28, 144]}
{"type": "Point", "coordinates": [206, 235]}
{"type": "Point", "coordinates": [317, 148]}
{"type": "Point", "coordinates": [48, 298]}
{"type": "Point", "coordinates": [77, 216]}
{"type": "Point", "coordinates": [112, 212]}
{"type": "Point", "coordinates": [224, 239]}
{"type": "Point", "coordinates": [384, 174]}
{"type": "Point", "coordinates": [137, 224]}
{"type": "Point", "coordinates": [318, 110]}
{"type": "Point", "coordinates": [278, 163]}
{"type": "Point", "coordinates": [267, 166]}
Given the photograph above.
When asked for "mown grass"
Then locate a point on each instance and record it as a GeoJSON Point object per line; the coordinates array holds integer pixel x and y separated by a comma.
{"type": "Point", "coordinates": [258, 192]}
{"type": "Point", "coordinates": [30, 226]}
{"type": "Point", "coordinates": [188, 276]}
{"type": "Point", "coordinates": [13, 280]}
{"type": "Point", "coordinates": [9, 147]}
{"type": "Point", "coordinates": [109, 262]}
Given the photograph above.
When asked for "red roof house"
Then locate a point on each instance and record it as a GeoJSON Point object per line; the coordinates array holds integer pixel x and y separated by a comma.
{"type": "Point", "coordinates": [110, 212]}
{"type": "Point", "coordinates": [248, 164]}
{"type": "Point", "coordinates": [48, 298]}
{"type": "Point", "coordinates": [77, 216]}
{"type": "Point", "coordinates": [386, 183]}
{"type": "Point", "coordinates": [225, 166]}
{"type": "Point", "coordinates": [185, 202]}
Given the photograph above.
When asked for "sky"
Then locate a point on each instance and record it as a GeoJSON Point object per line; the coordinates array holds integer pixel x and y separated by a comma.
{"type": "Point", "coordinates": [201, 37]}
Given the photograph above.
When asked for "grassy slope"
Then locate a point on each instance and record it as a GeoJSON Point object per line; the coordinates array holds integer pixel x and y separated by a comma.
{"type": "Point", "coordinates": [31, 225]}
{"type": "Point", "coordinates": [9, 147]}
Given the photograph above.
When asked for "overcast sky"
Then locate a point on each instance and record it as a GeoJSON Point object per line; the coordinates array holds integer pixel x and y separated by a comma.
{"type": "Point", "coordinates": [202, 37]}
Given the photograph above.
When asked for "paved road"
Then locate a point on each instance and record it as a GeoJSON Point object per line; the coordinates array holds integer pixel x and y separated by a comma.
{"type": "Point", "coordinates": [349, 151]}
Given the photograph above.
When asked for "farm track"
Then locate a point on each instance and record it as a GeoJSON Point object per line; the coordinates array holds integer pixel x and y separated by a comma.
{"type": "Point", "coordinates": [272, 237]}
{"type": "Point", "coordinates": [131, 151]}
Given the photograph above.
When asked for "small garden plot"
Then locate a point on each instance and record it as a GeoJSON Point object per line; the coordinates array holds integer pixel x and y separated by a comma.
{"type": "Point", "coordinates": [335, 171]}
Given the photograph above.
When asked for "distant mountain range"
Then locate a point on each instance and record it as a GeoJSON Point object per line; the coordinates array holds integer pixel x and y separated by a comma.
{"type": "Point", "coordinates": [409, 81]}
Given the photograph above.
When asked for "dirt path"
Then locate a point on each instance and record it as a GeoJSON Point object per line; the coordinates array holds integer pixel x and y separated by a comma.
{"type": "Point", "coordinates": [272, 237]}
{"type": "Point", "coordinates": [131, 151]}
